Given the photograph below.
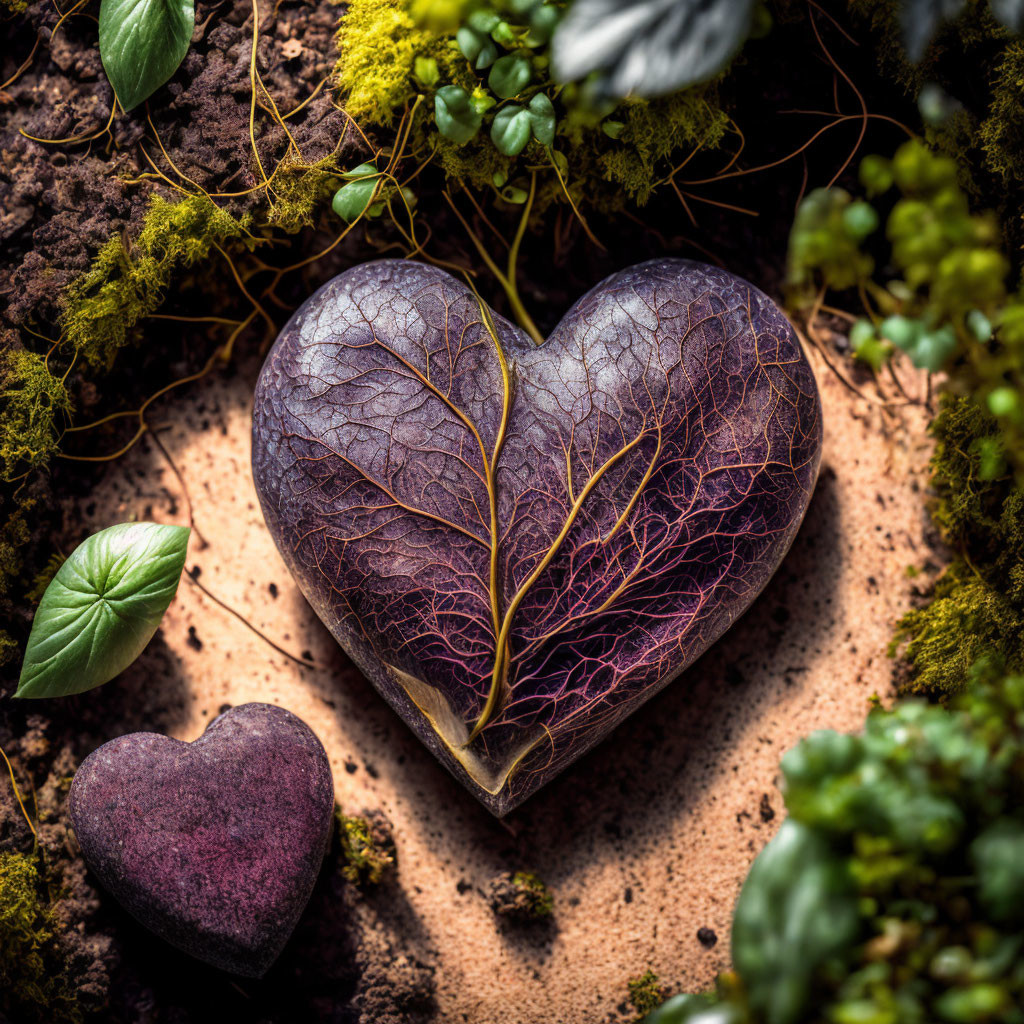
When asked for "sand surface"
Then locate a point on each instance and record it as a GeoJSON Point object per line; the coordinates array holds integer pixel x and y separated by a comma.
{"type": "Point", "coordinates": [645, 840]}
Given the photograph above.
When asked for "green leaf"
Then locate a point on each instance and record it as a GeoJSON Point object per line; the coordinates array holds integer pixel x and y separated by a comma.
{"type": "Point", "coordinates": [351, 200]}
{"type": "Point", "coordinates": [796, 912]}
{"type": "Point", "coordinates": [142, 42]}
{"type": "Point", "coordinates": [476, 47]}
{"type": "Point", "coordinates": [426, 72]}
{"type": "Point", "coordinates": [102, 608]}
{"type": "Point", "coordinates": [542, 119]}
{"type": "Point", "coordinates": [455, 115]}
{"type": "Point", "coordinates": [361, 171]}
{"type": "Point", "coordinates": [509, 75]}
{"type": "Point", "coordinates": [511, 129]}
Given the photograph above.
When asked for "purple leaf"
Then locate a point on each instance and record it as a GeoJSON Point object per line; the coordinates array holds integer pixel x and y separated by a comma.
{"type": "Point", "coordinates": [518, 544]}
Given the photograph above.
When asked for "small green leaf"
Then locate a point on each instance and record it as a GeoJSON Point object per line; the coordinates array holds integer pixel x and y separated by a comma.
{"type": "Point", "coordinates": [476, 47]}
{"type": "Point", "coordinates": [351, 201]}
{"type": "Point", "coordinates": [142, 42]}
{"type": "Point", "coordinates": [362, 171]}
{"type": "Point", "coordinates": [426, 72]}
{"type": "Point", "coordinates": [509, 76]}
{"type": "Point", "coordinates": [511, 129]}
{"type": "Point", "coordinates": [542, 119]}
{"type": "Point", "coordinates": [455, 115]}
{"type": "Point", "coordinates": [482, 100]}
{"type": "Point", "coordinates": [613, 129]}
{"type": "Point", "coordinates": [102, 608]}
{"type": "Point", "coordinates": [543, 22]}
{"type": "Point", "coordinates": [483, 21]}
{"type": "Point", "coordinates": [514, 194]}
{"type": "Point", "coordinates": [503, 33]}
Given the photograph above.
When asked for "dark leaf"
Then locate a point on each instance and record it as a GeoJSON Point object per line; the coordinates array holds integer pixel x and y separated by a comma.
{"type": "Point", "coordinates": [648, 47]}
{"type": "Point", "coordinates": [517, 543]}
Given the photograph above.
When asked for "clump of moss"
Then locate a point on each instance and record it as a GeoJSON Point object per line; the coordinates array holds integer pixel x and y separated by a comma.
{"type": "Point", "coordinates": [1001, 134]}
{"type": "Point", "coordinates": [367, 847]}
{"type": "Point", "coordinates": [128, 279]}
{"type": "Point", "coordinates": [301, 192]}
{"type": "Point", "coordinates": [32, 398]}
{"type": "Point", "coordinates": [33, 983]}
{"type": "Point", "coordinates": [646, 992]}
{"type": "Point", "coordinates": [977, 609]}
{"type": "Point", "coordinates": [521, 896]}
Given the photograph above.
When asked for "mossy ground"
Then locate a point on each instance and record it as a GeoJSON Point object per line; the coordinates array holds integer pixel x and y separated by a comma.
{"type": "Point", "coordinates": [976, 612]}
{"type": "Point", "coordinates": [34, 982]}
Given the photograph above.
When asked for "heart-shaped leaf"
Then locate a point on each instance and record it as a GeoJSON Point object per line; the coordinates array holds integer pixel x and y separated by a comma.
{"type": "Point", "coordinates": [142, 42]}
{"type": "Point", "coordinates": [511, 129]}
{"type": "Point", "coordinates": [648, 47]}
{"type": "Point", "coordinates": [102, 608]}
{"type": "Point", "coordinates": [509, 75]}
{"type": "Point", "coordinates": [542, 119]}
{"type": "Point", "coordinates": [351, 201]}
{"type": "Point", "coordinates": [519, 544]}
{"type": "Point", "coordinates": [457, 119]}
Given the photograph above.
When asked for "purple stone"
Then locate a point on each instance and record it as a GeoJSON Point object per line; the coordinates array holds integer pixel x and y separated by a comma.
{"type": "Point", "coordinates": [519, 544]}
{"type": "Point", "coordinates": [214, 845]}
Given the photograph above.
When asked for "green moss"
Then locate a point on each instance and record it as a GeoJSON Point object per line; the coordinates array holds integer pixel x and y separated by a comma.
{"type": "Point", "coordinates": [367, 850]}
{"type": "Point", "coordinates": [977, 608]}
{"type": "Point", "coordinates": [301, 192]}
{"type": "Point", "coordinates": [646, 992]}
{"type": "Point", "coordinates": [128, 281]}
{"type": "Point", "coordinates": [33, 983]}
{"type": "Point", "coordinates": [31, 400]}
{"type": "Point", "coordinates": [43, 578]}
{"type": "Point", "coordinates": [1002, 132]}
{"type": "Point", "coordinates": [378, 43]}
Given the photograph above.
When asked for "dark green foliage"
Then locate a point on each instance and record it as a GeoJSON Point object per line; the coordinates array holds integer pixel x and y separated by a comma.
{"type": "Point", "coordinates": [488, 109]}
{"type": "Point", "coordinates": [977, 610]}
{"type": "Point", "coordinates": [919, 824]}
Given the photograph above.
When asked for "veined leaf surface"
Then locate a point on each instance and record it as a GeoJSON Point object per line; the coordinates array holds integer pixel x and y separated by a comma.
{"type": "Point", "coordinates": [519, 544]}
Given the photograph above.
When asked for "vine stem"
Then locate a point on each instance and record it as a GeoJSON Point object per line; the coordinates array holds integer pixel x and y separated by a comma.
{"type": "Point", "coordinates": [507, 280]}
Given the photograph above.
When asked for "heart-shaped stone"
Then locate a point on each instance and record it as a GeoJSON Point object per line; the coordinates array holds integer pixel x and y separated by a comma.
{"type": "Point", "coordinates": [214, 845]}
{"type": "Point", "coordinates": [520, 544]}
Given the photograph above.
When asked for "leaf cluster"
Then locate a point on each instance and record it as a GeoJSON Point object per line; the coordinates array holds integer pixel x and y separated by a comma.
{"type": "Point", "coordinates": [493, 112]}
{"type": "Point", "coordinates": [891, 893]}
{"type": "Point", "coordinates": [935, 287]}
{"type": "Point", "coordinates": [367, 849]}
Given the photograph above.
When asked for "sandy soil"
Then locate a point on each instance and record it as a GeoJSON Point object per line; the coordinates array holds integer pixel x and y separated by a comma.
{"type": "Point", "coordinates": [644, 841]}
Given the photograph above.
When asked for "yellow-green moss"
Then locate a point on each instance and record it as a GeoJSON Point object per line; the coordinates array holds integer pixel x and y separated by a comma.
{"type": "Point", "coordinates": [32, 399]}
{"type": "Point", "coordinates": [367, 851]}
{"type": "Point", "coordinates": [646, 992]}
{"type": "Point", "coordinates": [378, 43]}
{"type": "Point", "coordinates": [33, 983]}
{"type": "Point", "coordinates": [1002, 133]}
{"type": "Point", "coordinates": [977, 609]}
{"type": "Point", "coordinates": [128, 280]}
{"type": "Point", "coordinates": [301, 192]}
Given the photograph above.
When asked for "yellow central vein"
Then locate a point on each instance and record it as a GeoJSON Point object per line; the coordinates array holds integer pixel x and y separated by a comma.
{"type": "Point", "coordinates": [501, 647]}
